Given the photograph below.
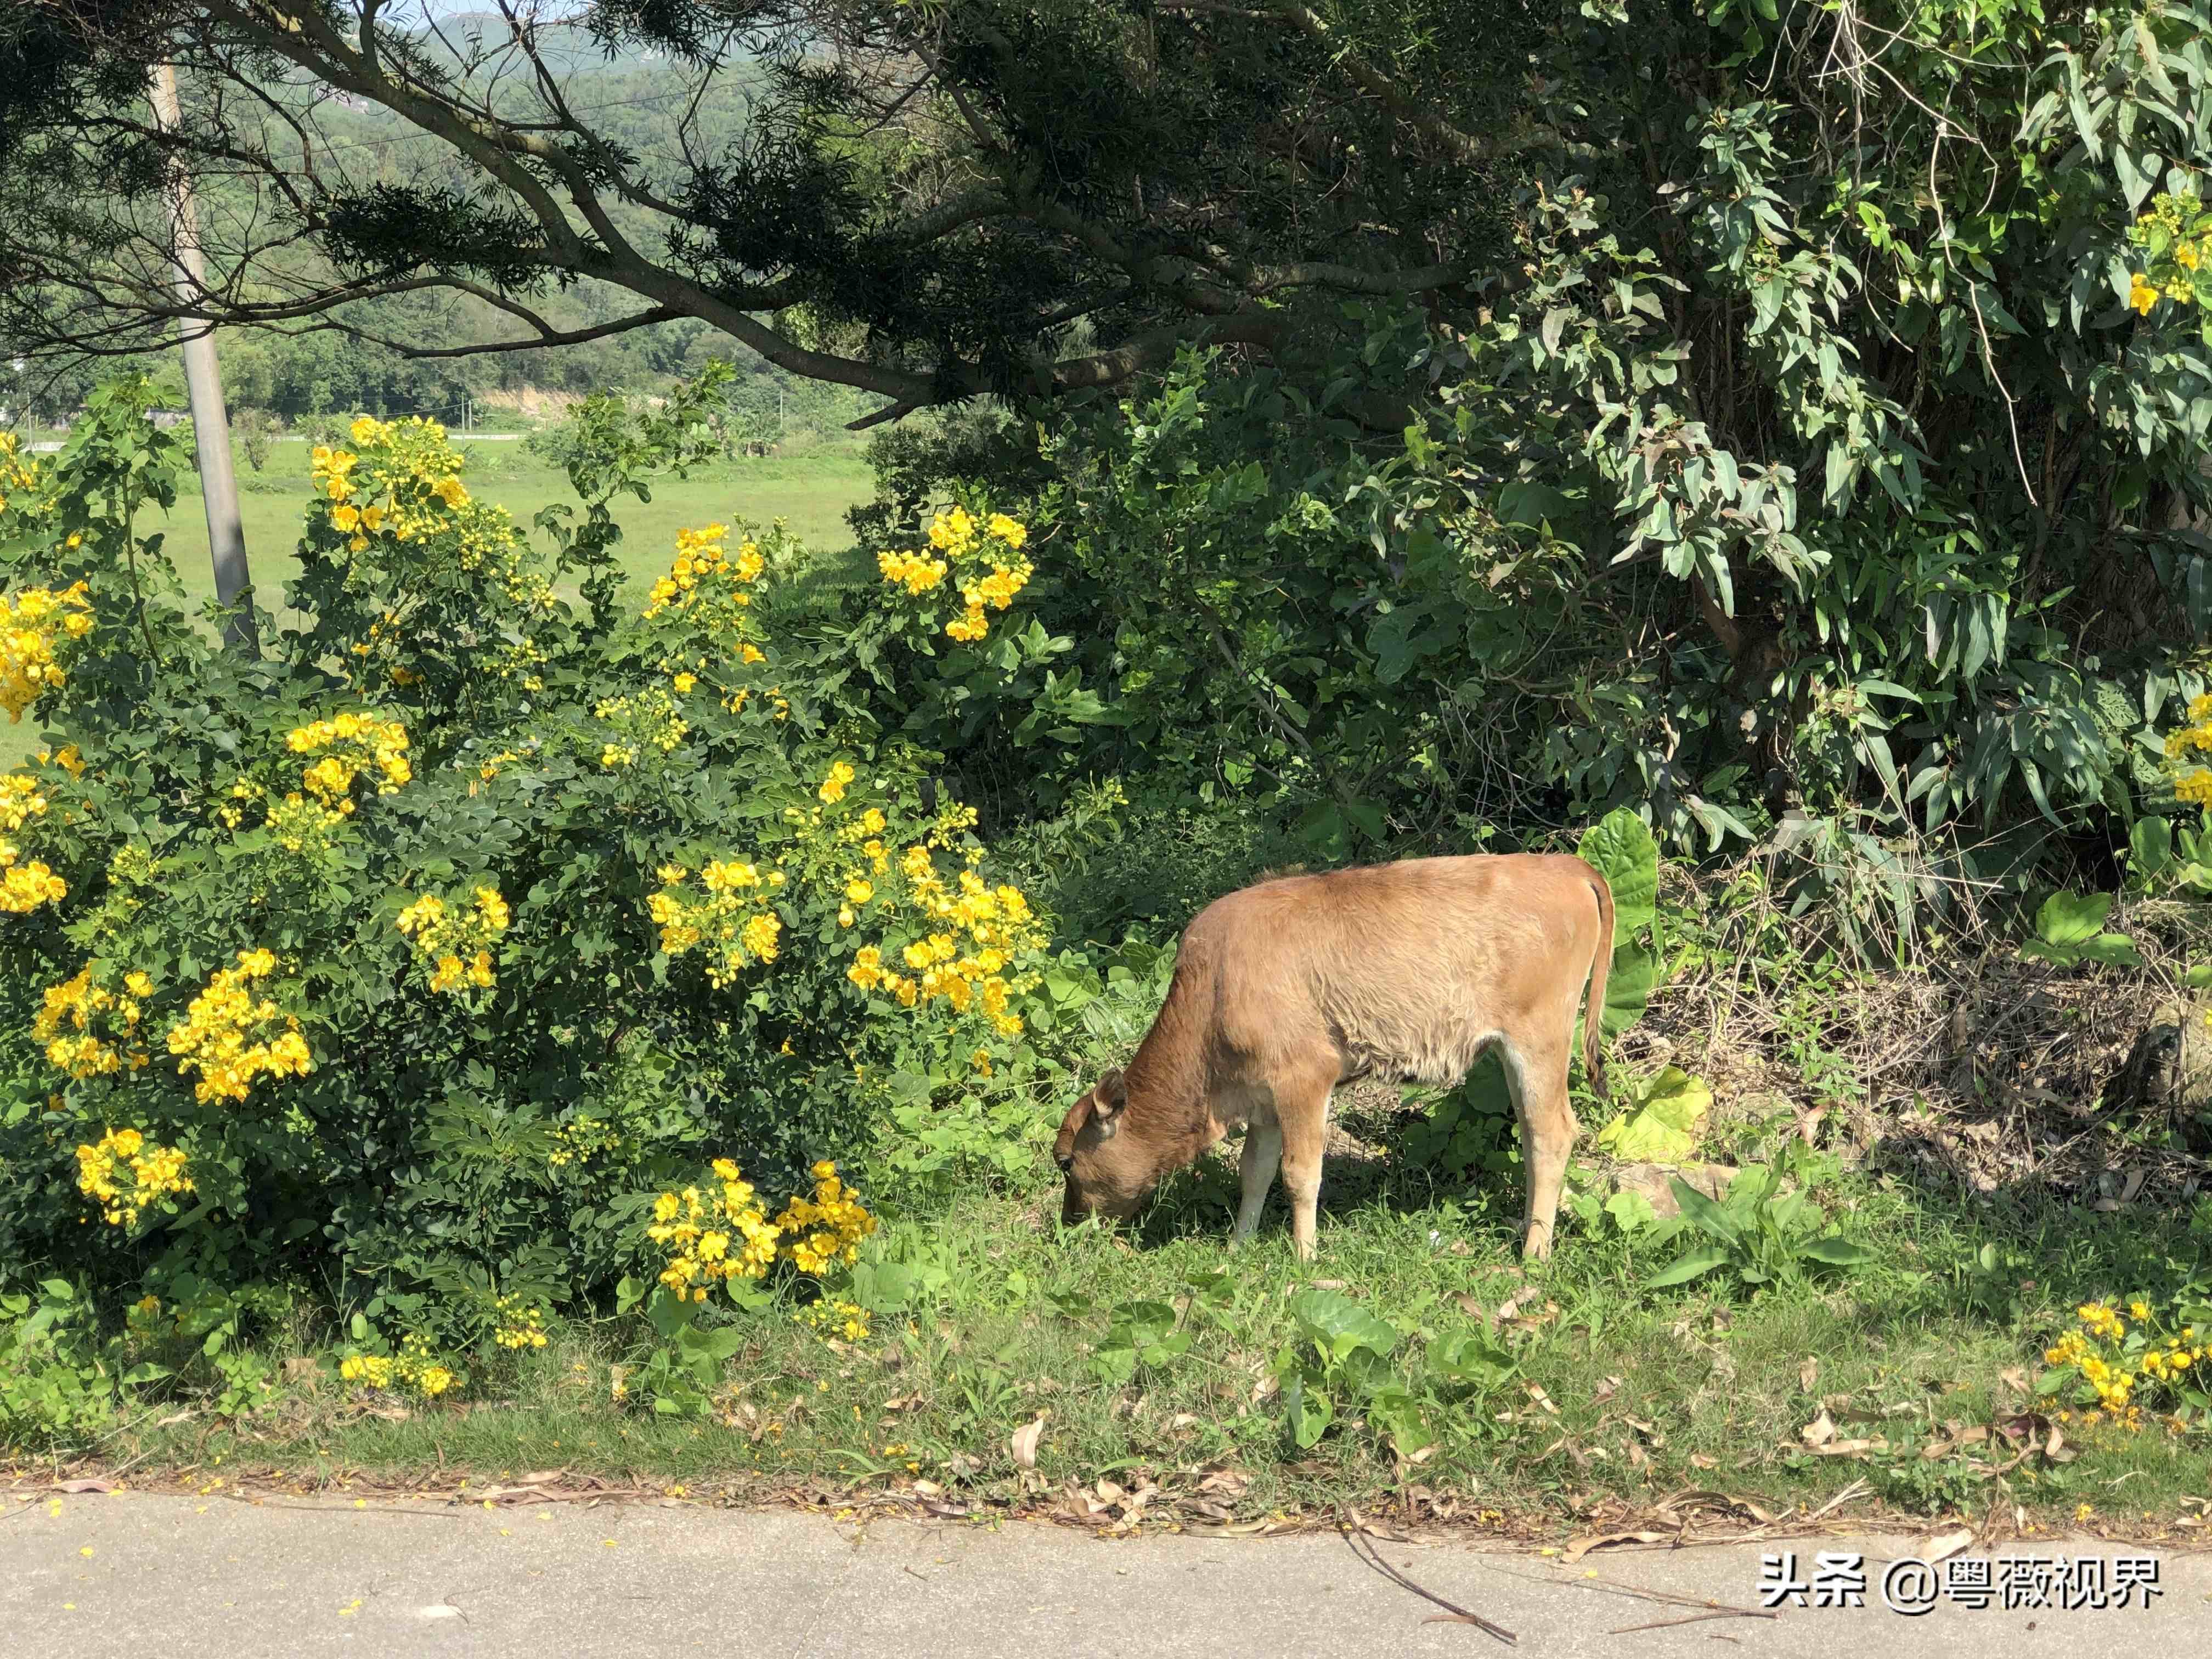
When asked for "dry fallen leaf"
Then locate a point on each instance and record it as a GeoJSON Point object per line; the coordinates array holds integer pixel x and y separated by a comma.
{"type": "Point", "coordinates": [1819, 1431]}
{"type": "Point", "coordinates": [1808, 1374]}
{"type": "Point", "coordinates": [1023, 1443]}
{"type": "Point", "coordinates": [1582, 1546]}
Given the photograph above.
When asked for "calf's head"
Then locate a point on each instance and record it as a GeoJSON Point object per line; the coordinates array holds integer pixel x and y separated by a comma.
{"type": "Point", "coordinates": [1108, 1174]}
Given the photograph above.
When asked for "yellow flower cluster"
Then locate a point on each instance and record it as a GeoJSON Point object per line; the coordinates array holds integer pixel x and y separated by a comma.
{"type": "Point", "coordinates": [32, 626]}
{"type": "Point", "coordinates": [22, 476]}
{"type": "Point", "coordinates": [399, 486]}
{"type": "Point", "coordinates": [723, 1232]}
{"type": "Point", "coordinates": [733, 915]}
{"type": "Point", "coordinates": [824, 1232]}
{"type": "Point", "coordinates": [2115, 1360]}
{"type": "Point", "coordinates": [152, 1173]}
{"type": "Point", "coordinates": [24, 883]}
{"type": "Point", "coordinates": [351, 744]}
{"type": "Point", "coordinates": [709, 590]}
{"type": "Point", "coordinates": [231, 1039]}
{"type": "Point", "coordinates": [2192, 780]}
{"type": "Point", "coordinates": [847, 1319]}
{"type": "Point", "coordinates": [973, 934]}
{"type": "Point", "coordinates": [706, 573]}
{"type": "Point", "coordinates": [720, 1234]}
{"type": "Point", "coordinates": [2174, 234]}
{"type": "Point", "coordinates": [647, 720]}
{"type": "Point", "coordinates": [581, 1141]}
{"type": "Point", "coordinates": [521, 1324]}
{"type": "Point", "coordinates": [976, 554]}
{"type": "Point", "coordinates": [89, 1030]}
{"type": "Point", "coordinates": [412, 468]}
{"type": "Point", "coordinates": [298, 825]}
{"type": "Point", "coordinates": [454, 940]}
{"type": "Point", "coordinates": [416, 1366]}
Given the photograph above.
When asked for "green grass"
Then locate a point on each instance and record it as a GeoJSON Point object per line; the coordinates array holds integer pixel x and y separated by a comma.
{"type": "Point", "coordinates": [1616, 1392]}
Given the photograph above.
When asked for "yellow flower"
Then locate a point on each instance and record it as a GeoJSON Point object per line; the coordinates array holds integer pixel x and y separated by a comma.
{"type": "Point", "coordinates": [833, 787]}
{"type": "Point", "coordinates": [2141, 295]}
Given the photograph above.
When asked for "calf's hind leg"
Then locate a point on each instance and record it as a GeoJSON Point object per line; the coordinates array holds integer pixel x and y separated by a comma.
{"type": "Point", "coordinates": [1538, 1073]}
{"type": "Point", "coordinates": [1302, 1121]}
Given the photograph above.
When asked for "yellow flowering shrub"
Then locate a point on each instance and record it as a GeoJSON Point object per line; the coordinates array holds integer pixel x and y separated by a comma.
{"type": "Point", "coordinates": [124, 1173]}
{"type": "Point", "coordinates": [2121, 1363]}
{"type": "Point", "coordinates": [485, 896]}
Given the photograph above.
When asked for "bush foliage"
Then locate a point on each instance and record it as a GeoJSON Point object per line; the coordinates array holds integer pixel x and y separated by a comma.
{"type": "Point", "coordinates": [419, 954]}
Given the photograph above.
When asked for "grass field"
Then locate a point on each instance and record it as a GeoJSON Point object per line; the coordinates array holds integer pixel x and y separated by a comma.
{"type": "Point", "coordinates": [1154, 1360]}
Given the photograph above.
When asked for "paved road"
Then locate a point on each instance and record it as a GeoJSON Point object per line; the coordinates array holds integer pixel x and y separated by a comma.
{"type": "Point", "coordinates": [138, 1574]}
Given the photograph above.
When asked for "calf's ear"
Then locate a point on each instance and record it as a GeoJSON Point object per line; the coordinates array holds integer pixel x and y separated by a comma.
{"type": "Point", "coordinates": [1113, 1095]}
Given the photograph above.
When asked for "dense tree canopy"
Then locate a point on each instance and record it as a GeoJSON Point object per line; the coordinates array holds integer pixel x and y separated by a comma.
{"type": "Point", "coordinates": [926, 200]}
{"type": "Point", "coordinates": [1741, 408]}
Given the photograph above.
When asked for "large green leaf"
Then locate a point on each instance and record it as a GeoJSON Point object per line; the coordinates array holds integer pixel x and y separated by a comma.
{"type": "Point", "coordinates": [2072, 918]}
{"type": "Point", "coordinates": [1628, 985]}
{"type": "Point", "coordinates": [1703, 1213]}
{"type": "Point", "coordinates": [1337, 1324]}
{"type": "Point", "coordinates": [1620, 847]}
{"type": "Point", "coordinates": [1689, 1266]}
{"type": "Point", "coordinates": [1662, 1125]}
{"type": "Point", "coordinates": [1836, 1252]}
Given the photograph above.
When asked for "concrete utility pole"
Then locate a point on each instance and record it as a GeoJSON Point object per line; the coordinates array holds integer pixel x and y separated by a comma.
{"type": "Point", "coordinates": [204, 386]}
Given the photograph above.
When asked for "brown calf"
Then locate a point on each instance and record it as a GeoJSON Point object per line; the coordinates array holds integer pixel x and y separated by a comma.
{"type": "Point", "coordinates": [1403, 971]}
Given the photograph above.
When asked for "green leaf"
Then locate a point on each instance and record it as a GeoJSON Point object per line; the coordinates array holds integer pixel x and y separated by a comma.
{"type": "Point", "coordinates": [1470, 1357]}
{"type": "Point", "coordinates": [1628, 984]}
{"type": "Point", "coordinates": [1703, 1213]}
{"type": "Point", "coordinates": [1337, 1324]}
{"type": "Point", "coordinates": [1836, 1252]}
{"type": "Point", "coordinates": [2150, 849]}
{"type": "Point", "coordinates": [1690, 1267]}
{"type": "Point", "coordinates": [1630, 1212]}
{"type": "Point", "coordinates": [1662, 1127]}
{"type": "Point", "coordinates": [1310, 1411]}
{"type": "Point", "coordinates": [2071, 918]}
{"type": "Point", "coordinates": [1620, 847]}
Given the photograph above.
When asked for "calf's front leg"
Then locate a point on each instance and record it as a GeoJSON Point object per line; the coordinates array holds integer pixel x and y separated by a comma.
{"type": "Point", "coordinates": [1263, 1151]}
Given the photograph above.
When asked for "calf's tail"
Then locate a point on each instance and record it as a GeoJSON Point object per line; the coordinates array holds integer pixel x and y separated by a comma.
{"type": "Point", "coordinates": [1594, 1015]}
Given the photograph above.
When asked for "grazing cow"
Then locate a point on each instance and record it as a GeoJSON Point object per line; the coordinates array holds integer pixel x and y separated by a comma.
{"type": "Point", "coordinates": [1401, 971]}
